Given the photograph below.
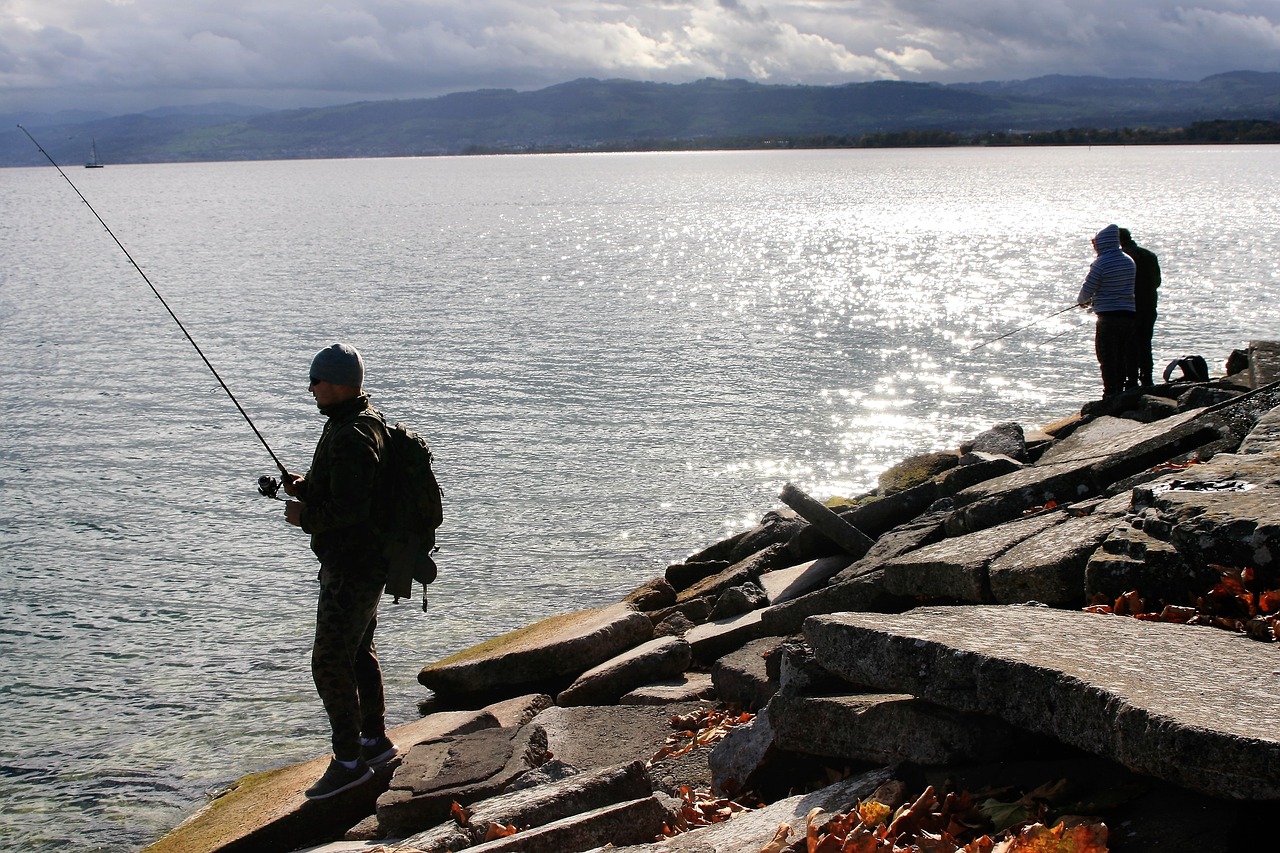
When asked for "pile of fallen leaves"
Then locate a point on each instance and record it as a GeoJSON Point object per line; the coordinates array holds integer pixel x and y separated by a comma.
{"type": "Point", "coordinates": [701, 808]}
{"type": "Point", "coordinates": [955, 824]}
{"type": "Point", "coordinates": [701, 728]}
{"type": "Point", "coordinates": [1242, 600]}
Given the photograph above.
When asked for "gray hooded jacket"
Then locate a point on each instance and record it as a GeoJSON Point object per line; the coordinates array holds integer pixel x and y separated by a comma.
{"type": "Point", "coordinates": [1109, 284]}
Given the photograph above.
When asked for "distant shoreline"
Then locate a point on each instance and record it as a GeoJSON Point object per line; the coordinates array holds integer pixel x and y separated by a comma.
{"type": "Point", "coordinates": [1217, 132]}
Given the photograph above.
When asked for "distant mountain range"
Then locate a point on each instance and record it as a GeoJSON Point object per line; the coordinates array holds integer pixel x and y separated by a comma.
{"type": "Point", "coordinates": [594, 114]}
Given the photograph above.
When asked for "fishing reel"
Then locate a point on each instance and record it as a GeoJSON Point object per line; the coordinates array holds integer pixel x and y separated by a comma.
{"type": "Point", "coordinates": [269, 487]}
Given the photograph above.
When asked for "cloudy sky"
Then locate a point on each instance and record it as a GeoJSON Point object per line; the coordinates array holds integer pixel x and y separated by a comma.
{"type": "Point", "coordinates": [123, 55]}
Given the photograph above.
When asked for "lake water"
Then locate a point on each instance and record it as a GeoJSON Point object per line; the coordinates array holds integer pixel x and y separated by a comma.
{"type": "Point", "coordinates": [618, 359]}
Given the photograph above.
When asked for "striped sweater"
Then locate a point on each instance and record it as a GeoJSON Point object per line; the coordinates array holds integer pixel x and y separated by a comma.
{"type": "Point", "coordinates": [1109, 284]}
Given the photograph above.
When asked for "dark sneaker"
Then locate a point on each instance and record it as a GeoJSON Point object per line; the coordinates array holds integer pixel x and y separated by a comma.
{"type": "Point", "coordinates": [380, 751]}
{"type": "Point", "coordinates": [337, 779]}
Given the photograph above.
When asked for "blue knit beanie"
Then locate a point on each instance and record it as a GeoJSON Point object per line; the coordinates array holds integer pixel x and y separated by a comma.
{"type": "Point", "coordinates": [339, 364]}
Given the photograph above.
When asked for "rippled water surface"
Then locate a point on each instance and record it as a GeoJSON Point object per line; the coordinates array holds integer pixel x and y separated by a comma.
{"type": "Point", "coordinates": [618, 359]}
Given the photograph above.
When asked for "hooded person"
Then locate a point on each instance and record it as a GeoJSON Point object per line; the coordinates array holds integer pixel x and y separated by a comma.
{"type": "Point", "coordinates": [335, 503]}
{"type": "Point", "coordinates": [1145, 284]}
{"type": "Point", "coordinates": [1108, 292]}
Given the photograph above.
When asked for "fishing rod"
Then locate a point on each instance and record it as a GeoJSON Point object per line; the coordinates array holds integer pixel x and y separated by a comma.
{"type": "Point", "coordinates": [1072, 331]}
{"type": "Point", "coordinates": [283, 471]}
{"type": "Point", "coordinates": [1024, 328]}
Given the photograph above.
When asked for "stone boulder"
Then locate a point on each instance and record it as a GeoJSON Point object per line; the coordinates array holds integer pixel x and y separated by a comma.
{"type": "Point", "coordinates": [737, 600]}
{"type": "Point", "coordinates": [743, 571]}
{"type": "Point", "coordinates": [711, 640]}
{"type": "Point", "coordinates": [748, 677]}
{"type": "Point", "coordinates": [681, 576]}
{"type": "Point", "coordinates": [877, 517]}
{"type": "Point", "coordinates": [1096, 455]}
{"type": "Point", "coordinates": [777, 527]}
{"type": "Point", "coordinates": [1006, 439]}
{"type": "Point", "coordinates": [956, 568]}
{"type": "Point", "coordinates": [1131, 560]}
{"type": "Point", "coordinates": [1049, 567]}
{"type": "Point", "coordinates": [860, 592]}
{"type": "Point", "coordinates": [687, 687]}
{"type": "Point", "coordinates": [664, 657]}
{"type": "Point", "coordinates": [544, 657]}
{"type": "Point", "coordinates": [741, 756]}
{"type": "Point", "coordinates": [462, 768]}
{"type": "Point", "coordinates": [1265, 435]}
{"type": "Point", "coordinates": [890, 728]}
{"type": "Point", "coordinates": [975, 468]}
{"type": "Point", "coordinates": [785, 584]}
{"type": "Point", "coordinates": [654, 595]}
{"type": "Point", "coordinates": [535, 807]}
{"type": "Point", "coordinates": [1133, 691]}
{"type": "Point", "coordinates": [612, 825]}
{"type": "Point", "coordinates": [674, 625]}
{"type": "Point", "coordinates": [1233, 523]}
{"type": "Point", "coordinates": [591, 737]}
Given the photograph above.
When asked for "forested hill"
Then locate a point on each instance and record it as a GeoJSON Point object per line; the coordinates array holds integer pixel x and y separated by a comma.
{"type": "Point", "coordinates": [594, 114]}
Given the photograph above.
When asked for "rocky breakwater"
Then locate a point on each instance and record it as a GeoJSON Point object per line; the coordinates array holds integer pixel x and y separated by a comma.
{"type": "Point", "coordinates": [1067, 630]}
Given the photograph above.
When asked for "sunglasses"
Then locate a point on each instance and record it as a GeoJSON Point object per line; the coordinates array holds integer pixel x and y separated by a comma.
{"type": "Point", "coordinates": [314, 382]}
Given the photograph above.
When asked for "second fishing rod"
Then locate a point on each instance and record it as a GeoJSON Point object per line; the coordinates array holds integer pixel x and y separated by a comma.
{"type": "Point", "coordinates": [1024, 328]}
{"type": "Point", "coordinates": [267, 485]}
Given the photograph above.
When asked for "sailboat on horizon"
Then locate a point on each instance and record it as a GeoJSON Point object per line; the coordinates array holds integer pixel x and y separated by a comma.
{"type": "Point", "coordinates": [94, 162]}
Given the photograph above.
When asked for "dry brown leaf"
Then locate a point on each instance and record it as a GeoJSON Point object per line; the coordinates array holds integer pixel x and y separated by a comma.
{"type": "Point", "coordinates": [497, 830]}
{"type": "Point", "coordinates": [460, 814]}
{"type": "Point", "coordinates": [779, 842]}
{"type": "Point", "coordinates": [861, 840]}
{"type": "Point", "coordinates": [910, 818]}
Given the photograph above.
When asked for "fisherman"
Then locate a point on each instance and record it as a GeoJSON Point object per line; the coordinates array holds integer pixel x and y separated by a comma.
{"type": "Point", "coordinates": [336, 504]}
{"type": "Point", "coordinates": [1108, 292]}
{"type": "Point", "coordinates": [1146, 281]}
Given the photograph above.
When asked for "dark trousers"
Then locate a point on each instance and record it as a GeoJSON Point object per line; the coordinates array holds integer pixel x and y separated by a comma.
{"type": "Point", "coordinates": [1111, 344]}
{"type": "Point", "coordinates": [1138, 368]}
{"type": "Point", "coordinates": [344, 660]}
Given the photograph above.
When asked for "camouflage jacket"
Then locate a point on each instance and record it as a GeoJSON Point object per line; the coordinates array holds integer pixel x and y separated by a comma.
{"type": "Point", "coordinates": [339, 492]}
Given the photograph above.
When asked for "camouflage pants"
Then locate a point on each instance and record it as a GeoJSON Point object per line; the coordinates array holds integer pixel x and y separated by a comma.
{"type": "Point", "coordinates": [344, 661]}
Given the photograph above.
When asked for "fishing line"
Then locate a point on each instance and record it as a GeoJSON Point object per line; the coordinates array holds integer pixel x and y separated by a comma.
{"type": "Point", "coordinates": [1024, 328]}
{"type": "Point", "coordinates": [199, 351]}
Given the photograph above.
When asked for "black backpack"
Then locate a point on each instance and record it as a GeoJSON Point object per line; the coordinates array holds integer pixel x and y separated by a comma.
{"type": "Point", "coordinates": [1194, 369]}
{"type": "Point", "coordinates": [409, 509]}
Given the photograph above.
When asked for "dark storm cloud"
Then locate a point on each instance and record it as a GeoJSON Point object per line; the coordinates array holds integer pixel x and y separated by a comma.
{"type": "Point", "coordinates": [140, 53]}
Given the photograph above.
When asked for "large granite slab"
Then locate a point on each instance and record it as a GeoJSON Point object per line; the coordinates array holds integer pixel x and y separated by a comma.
{"type": "Point", "coordinates": [546, 656]}
{"type": "Point", "coordinates": [890, 728]}
{"type": "Point", "coordinates": [658, 659]}
{"type": "Point", "coordinates": [957, 568]}
{"type": "Point", "coordinates": [461, 768]}
{"type": "Point", "coordinates": [535, 807]}
{"type": "Point", "coordinates": [1265, 435]}
{"type": "Point", "coordinates": [712, 640]}
{"type": "Point", "coordinates": [594, 736]}
{"type": "Point", "coordinates": [1049, 567]}
{"type": "Point", "coordinates": [1194, 706]}
{"type": "Point", "coordinates": [1082, 465]}
{"type": "Point", "coordinates": [612, 825]}
{"type": "Point", "coordinates": [786, 584]}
